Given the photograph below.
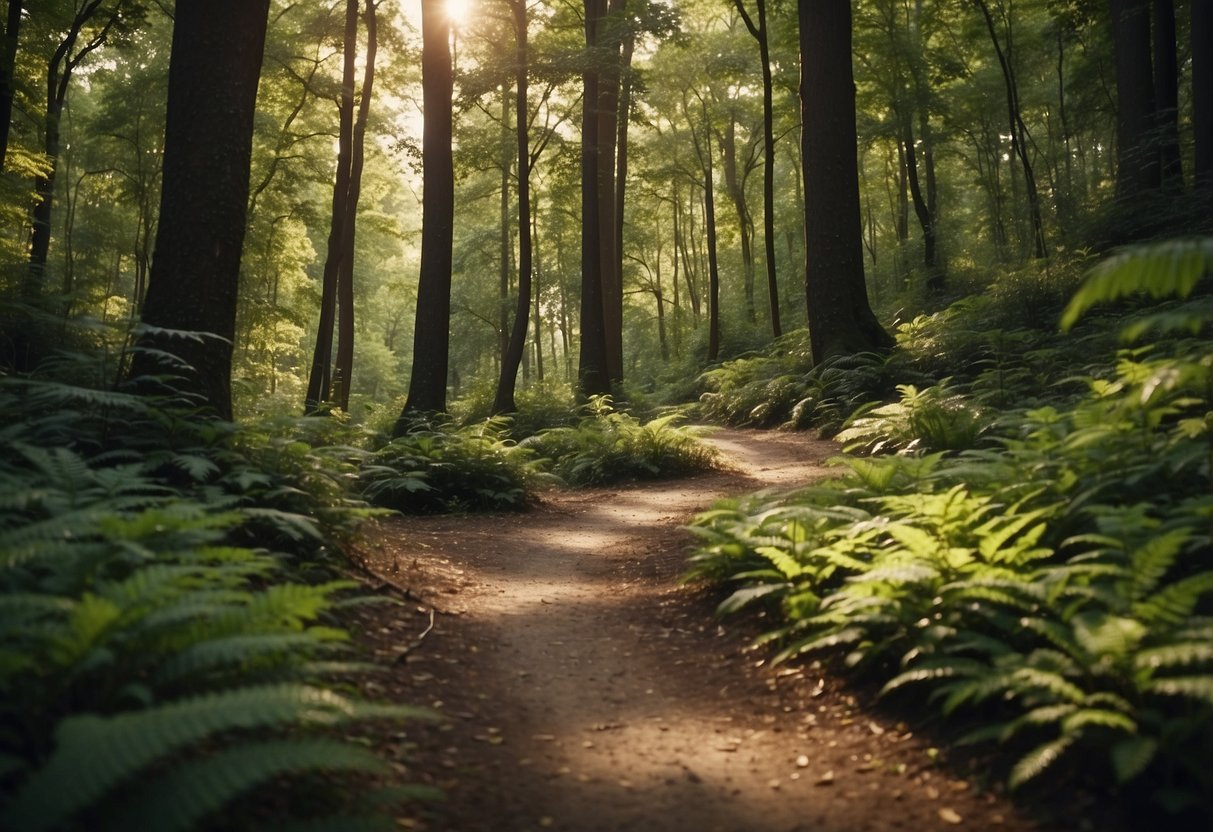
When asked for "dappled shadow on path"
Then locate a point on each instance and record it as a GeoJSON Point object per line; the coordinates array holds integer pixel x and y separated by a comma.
{"type": "Point", "coordinates": [587, 690]}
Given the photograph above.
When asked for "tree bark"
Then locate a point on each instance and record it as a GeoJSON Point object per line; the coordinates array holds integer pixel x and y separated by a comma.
{"type": "Point", "coordinates": [760, 34]}
{"type": "Point", "coordinates": [1202, 89]}
{"type": "Point", "coordinates": [344, 364]}
{"type": "Point", "coordinates": [593, 366]}
{"type": "Point", "coordinates": [319, 386]}
{"type": "Point", "coordinates": [212, 91]}
{"type": "Point", "coordinates": [1137, 169]}
{"type": "Point", "coordinates": [58, 77]}
{"type": "Point", "coordinates": [512, 358]}
{"type": "Point", "coordinates": [1019, 134]}
{"type": "Point", "coordinates": [8, 62]}
{"type": "Point", "coordinates": [431, 334]}
{"type": "Point", "coordinates": [1166, 95]}
{"type": "Point", "coordinates": [840, 318]}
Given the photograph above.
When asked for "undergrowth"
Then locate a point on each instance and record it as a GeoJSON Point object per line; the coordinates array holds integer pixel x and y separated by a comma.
{"type": "Point", "coordinates": [609, 445]}
{"type": "Point", "coordinates": [1042, 566]}
{"type": "Point", "coordinates": [444, 467]}
{"type": "Point", "coordinates": [161, 656]}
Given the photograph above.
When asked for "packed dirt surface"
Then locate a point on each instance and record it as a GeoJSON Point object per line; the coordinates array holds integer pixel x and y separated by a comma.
{"type": "Point", "coordinates": [584, 688]}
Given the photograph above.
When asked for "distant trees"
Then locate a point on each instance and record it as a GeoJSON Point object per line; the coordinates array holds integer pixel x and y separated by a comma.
{"type": "Point", "coordinates": [189, 317]}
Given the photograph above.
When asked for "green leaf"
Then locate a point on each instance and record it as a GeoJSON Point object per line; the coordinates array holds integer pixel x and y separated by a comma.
{"type": "Point", "coordinates": [1035, 762]}
{"type": "Point", "coordinates": [1131, 755]}
{"type": "Point", "coordinates": [188, 793]}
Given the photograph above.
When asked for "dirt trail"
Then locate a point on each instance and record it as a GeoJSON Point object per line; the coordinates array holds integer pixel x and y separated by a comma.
{"type": "Point", "coordinates": [586, 690]}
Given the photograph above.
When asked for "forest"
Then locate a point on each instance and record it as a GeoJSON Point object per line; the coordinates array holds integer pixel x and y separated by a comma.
{"type": "Point", "coordinates": [276, 273]}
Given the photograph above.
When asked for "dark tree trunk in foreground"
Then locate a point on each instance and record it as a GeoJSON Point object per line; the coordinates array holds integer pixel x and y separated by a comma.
{"type": "Point", "coordinates": [504, 400]}
{"type": "Point", "coordinates": [840, 319]}
{"type": "Point", "coordinates": [593, 366]}
{"type": "Point", "coordinates": [8, 61]}
{"type": "Point", "coordinates": [1202, 89]}
{"type": "Point", "coordinates": [431, 334]}
{"type": "Point", "coordinates": [1137, 169]}
{"type": "Point", "coordinates": [212, 92]}
{"type": "Point", "coordinates": [1166, 95]}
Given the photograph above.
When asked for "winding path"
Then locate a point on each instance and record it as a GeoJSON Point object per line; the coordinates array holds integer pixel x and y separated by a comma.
{"type": "Point", "coordinates": [586, 689]}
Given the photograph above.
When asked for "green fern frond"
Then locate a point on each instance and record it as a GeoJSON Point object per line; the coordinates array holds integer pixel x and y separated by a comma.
{"type": "Point", "coordinates": [178, 800]}
{"type": "Point", "coordinates": [1084, 717]}
{"type": "Point", "coordinates": [1132, 755]}
{"type": "Point", "coordinates": [1167, 269]}
{"type": "Point", "coordinates": [94, 754]}
{"type": "Point", "coordinates": [747, 595]}
{"type": "Point", "coordinates": [1175, 603]}
{"type": "Point", "coordinates": [1037, 761]}
{"type": "Point", "coordinates": [236, 651]}
{"type": "Point", "coordinates": [1199, 688]}
{"type": "Point", "coordinates": [1185, 654]}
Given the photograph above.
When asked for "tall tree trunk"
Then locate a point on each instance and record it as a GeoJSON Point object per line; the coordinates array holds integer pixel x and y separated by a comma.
{"type": "Point", "coordinates": [608, 43]}
{"type": "Point", "coordinates": [505, 236]}
{"type": "Point", "coordinates": [1019, 133]}
{"type": "Point", "coordinates": [319, 386]}
{"type": "Point", "coordinates": [344, 364]}
{"type": "Point", "coordinates": [593, 366]}
{"type": "Point", "coordinates": [58, 77]}
{"type": "Point", "coordinates": [504, 400]}
{"type": "Point", "coordinates": [760, 34]}
{"type": "Point", "coordinates": [1137, 169]}
{"type": "Point", "coordinates": [212, 91]}
{"type": "Point", "coordinates": [621, 141]}
{"type": "Point", "coordinates": [922, 210]}
{"type": "Point", "coordinates": [537, 292]}
{"type": "Point", "coordinates": [1166, 95]}
{"type": "Point", "coordinates": [431, 333]}
{"type": "Point", "coordinates": [840, 319]}
{"type": "Point", "coordinates": [8, 62]}
{"type": "Point", "coordinates": [709, 220]}
{"type": "Point", "coordinates": [1202, 89]}
{"type": "Point", "coordinates": [745, 224]}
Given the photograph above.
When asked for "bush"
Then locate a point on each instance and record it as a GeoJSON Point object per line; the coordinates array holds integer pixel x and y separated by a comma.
{"type": "Point", "coordinates": [153, 670]}
{"type": "Point", "coordinates": [443, 468]}
{"type": "Point", "coordinates": [611, 446]}
{"type": "Point", "coordinates": [1058, 579]}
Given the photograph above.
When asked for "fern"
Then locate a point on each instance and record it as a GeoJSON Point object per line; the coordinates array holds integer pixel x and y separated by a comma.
{"type": "Point", "coordinates": [188, 793]}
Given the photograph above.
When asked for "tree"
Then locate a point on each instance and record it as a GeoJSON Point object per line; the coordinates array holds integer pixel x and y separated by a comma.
{"type": "Point", "coordinates": [594, 362]}
{"type": "Point", "coordinates": [8, 62]}
{"type": "Point", "coordinates": [760, 34]}
{"type": "Point", "coordinates": [329, 380]}
{"type": "Point", "coordinates": [1202, 89]}
{"type": "Point", "coordinates": [1137, 169]}
{"type": "Point", "coordinates": [319, 387]}
{"type": "Point", "coordinates": [431, 333]}
{"type": "Point", "coordinates": [512, 357]}
{"type": "Point", "coordinates": [190, 311]}
{"type": "Point", "coordinates": [840, 318]}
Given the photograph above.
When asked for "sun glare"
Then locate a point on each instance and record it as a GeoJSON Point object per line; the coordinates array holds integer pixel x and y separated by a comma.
{"type": "Point", "coordinates": [458, 11]}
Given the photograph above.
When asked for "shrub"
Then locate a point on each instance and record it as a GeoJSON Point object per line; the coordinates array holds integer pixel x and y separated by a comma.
{"type": "Point", "coordinates": [443, 468]}
{"type": "Point", "coordinates": [1057, 578]}
{"type": "Point", "coordinates": [153, 672]}
{"type": "Point", "coordinates": [611, 446]}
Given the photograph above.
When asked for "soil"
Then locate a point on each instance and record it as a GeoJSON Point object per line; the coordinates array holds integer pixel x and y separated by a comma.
{"type": "Point", "coordinates": [583, 687]}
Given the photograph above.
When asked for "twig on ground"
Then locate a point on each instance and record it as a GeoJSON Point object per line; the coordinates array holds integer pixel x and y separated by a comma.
{"type": "Point", "coordinates": [403, 655]}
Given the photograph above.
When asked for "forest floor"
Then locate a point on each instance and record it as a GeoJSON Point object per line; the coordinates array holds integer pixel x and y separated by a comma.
{"type": "Point", "coordinates": [584, 688]}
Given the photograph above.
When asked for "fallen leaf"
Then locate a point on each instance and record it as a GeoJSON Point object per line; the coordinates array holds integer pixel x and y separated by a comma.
{"type": "Point", "coordinates": [950, 816]}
